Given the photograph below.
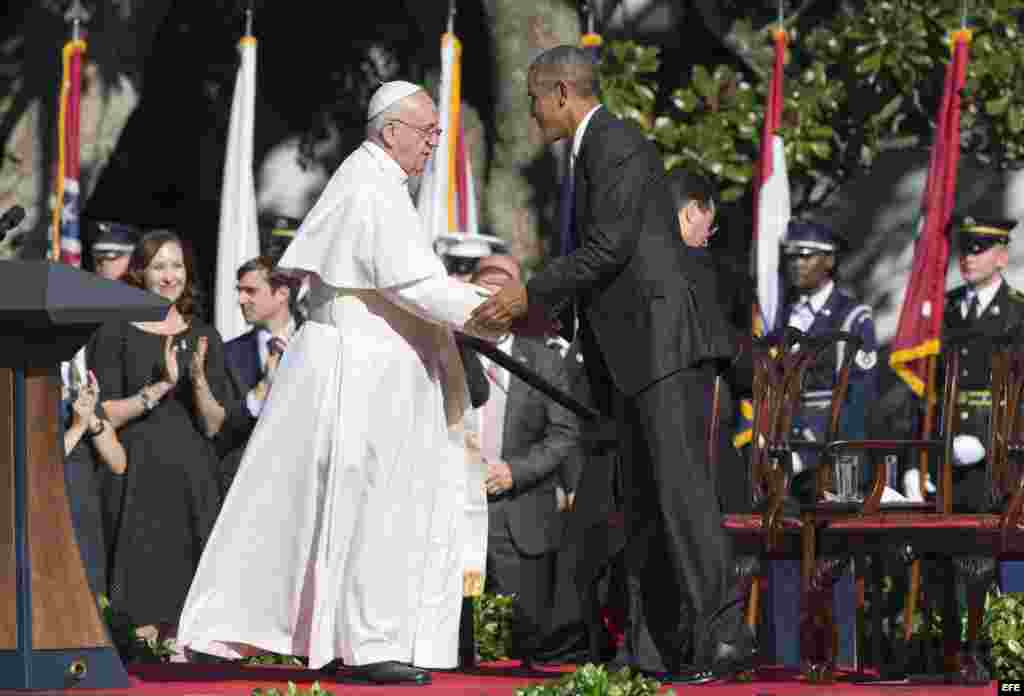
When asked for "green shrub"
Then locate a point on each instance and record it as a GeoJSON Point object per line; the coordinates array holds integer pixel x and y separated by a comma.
{"type": "Point", "coordinates": [1004, 629]}
{"type": "Point", "coordinates": [314, 690]}
{"type": "Point", "coordinates": [593, 680]}
{"type": "Point", "coordinates": [492, 626]}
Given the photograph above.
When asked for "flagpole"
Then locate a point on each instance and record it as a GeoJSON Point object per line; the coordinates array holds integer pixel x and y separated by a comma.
{"type": "Point", "coordinates": [68, 119]}
{"type": "Point", "coordinates": [248, 18]}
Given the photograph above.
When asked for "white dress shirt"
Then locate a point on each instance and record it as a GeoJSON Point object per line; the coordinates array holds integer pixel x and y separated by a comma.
{"type": "Point", "coordinates": [263, 336]}
{"type": "Point", "coordinates": [577, 138]}
{"type": "Point", "coordinates": [985, 297]}
{"type": "Point", "coordinates": [802, 315]}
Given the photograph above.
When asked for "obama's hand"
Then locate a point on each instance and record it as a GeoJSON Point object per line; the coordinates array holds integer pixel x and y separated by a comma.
{"type": "Point", "coordinates": [498, 311]}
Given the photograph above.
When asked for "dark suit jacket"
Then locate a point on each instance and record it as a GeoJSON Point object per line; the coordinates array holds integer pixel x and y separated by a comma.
{"type": "Point", "coordinates": [650, 305]}
{"type": "Point", "coordinates": [242, 359]}
{"type": "Point", "coordinates": [538, 435]}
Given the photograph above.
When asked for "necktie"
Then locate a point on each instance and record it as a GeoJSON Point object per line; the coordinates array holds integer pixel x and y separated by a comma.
{"type": "Point", "coordinates": [276, 345]}
{"type": "Point", "coordinates": [972, 306]}
{"type": "Point", "coordinates": [493, 416]}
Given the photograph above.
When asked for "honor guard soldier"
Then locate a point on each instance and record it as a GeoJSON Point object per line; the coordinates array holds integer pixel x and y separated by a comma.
{"type": "Point", "coordinates": [817, 306]}
{"type": "Point", "coordinates": [987, 302]}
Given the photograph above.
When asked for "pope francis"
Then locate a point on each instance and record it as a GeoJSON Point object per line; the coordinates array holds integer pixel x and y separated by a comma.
{"type": "Point", "coordinates": [344, 536]}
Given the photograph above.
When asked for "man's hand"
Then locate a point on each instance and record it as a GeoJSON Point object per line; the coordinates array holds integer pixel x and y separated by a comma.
{"type": "Point", "coordinates": [499, 477]}
{"type": "Point", "coordinates": [498, 311]}
{"type": "Point", "coordinates": [566, 501]}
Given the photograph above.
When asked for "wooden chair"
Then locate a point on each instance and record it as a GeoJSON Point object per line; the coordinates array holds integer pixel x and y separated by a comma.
{"type": "Point", "coordinates": [775, 532]}
{"type": "Point", "coordinates": [933, 529]}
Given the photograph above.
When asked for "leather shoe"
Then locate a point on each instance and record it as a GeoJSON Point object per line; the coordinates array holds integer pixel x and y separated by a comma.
{"type": "Point", "coordinates": [387, 673]}
{"type": "Point", "coordinates": [731, 658]}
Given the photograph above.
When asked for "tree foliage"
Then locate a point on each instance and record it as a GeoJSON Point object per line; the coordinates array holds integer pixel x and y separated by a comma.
{"type": "Point", "coordinates": [856, 84]}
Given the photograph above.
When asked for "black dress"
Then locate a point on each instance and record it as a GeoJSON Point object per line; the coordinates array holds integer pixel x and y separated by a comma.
{"type": "Point", "coordinates": [160, 513]}
{"type": "Point", "coordinates": [82, 479]}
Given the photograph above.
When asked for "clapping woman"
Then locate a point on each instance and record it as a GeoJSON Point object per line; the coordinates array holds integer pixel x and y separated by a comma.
{"type": "Point", "coordinates": [163, 384]}
{"type": "Point", "coordinates": [92, 453]}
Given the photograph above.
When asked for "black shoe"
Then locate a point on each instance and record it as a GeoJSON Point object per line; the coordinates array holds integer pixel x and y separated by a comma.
{"type": "Point", "coordinates": [732, 658]}
{"type": "Point", "coordinates": [692, 676]}
{"type": "Point", "coordinates": [387, 673]}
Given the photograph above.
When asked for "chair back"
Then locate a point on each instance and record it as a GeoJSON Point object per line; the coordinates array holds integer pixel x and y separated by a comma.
{"type": "Point", "coordinates": [780, 369]}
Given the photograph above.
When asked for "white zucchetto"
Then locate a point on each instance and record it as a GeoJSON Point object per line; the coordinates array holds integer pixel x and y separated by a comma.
{"type": "Point", "coordinates": [389, 93]}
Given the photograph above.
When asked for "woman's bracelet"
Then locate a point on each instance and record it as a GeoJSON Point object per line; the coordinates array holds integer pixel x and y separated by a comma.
{"type": "Point", "coordinates": [90, 433]}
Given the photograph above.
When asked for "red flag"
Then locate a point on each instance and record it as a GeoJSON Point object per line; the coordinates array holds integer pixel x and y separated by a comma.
{"type": "Point", "coordinates": [920, 327]}
{"type": "Point", "coordinates": [66, 242]}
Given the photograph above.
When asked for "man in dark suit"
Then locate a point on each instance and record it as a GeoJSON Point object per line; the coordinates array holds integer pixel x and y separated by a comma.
{"type": "Point", "coordinates": [266, 296]}
{"type": "Point", "coordinates": [524, 440]}
{"type": "Point", "coordinates": [650, 328]}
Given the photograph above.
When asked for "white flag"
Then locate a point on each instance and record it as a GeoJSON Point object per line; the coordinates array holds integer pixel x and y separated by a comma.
{"type": "Point", "coordinates": [773, 213]}
{"type": "Point", "coordinates": [437, 186]}
{"type": "Point", "coordinates": [238, 233]}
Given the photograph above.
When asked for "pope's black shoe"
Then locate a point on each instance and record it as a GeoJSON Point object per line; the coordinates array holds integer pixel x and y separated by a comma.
{"type": "Point", "coordinates": [386, 673]}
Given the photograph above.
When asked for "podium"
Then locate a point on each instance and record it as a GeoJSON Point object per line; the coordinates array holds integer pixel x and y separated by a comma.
{"type": "Point", "coordinates": [51, 632]}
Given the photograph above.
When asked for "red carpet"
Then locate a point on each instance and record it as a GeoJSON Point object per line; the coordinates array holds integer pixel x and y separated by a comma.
{"type": "Point", "coordinates": [498, 679]}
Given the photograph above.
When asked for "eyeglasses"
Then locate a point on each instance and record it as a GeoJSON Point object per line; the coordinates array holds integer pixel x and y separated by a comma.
{"type": "Point", "coordinates": [425, 131]}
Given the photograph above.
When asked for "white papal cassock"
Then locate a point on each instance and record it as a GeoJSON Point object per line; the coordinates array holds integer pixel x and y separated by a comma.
{"type": "Point", "coordinates": [344, 534]}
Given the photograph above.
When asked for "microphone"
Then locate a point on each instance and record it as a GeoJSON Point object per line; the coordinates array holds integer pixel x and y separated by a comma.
{"type": "Point", "coordinates": [11, 219]}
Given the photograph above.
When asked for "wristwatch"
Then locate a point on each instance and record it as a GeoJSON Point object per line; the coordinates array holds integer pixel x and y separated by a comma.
{"type": "Point", "coordinates": [147, 404]}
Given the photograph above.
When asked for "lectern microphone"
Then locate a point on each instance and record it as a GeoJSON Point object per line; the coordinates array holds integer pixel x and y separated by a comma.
{"type": "Point", "coordinates": [11, 219]}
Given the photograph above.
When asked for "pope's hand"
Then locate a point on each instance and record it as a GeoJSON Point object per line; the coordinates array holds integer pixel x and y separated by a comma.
{"type": "Point", "coordinates": [497, 312]}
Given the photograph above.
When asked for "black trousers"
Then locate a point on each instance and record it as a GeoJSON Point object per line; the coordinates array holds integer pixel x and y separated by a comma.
{"type": "Point", "coordinates": [684, 596]}
{"type": "Point", "coordinates": [531, 578]}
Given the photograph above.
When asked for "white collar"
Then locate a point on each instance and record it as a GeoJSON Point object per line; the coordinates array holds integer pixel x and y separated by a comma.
{"type": "Point", "coordinates": [985, 294]}
{"type": "Point", "coordinates": [820, 297]}
{"type": "Point", "coordinates": [577, 138]}
{"type": "Point", "coordinates": [387, 163]}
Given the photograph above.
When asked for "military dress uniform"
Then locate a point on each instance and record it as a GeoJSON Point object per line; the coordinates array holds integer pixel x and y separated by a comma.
{"type": "Point", "coordinates": [1003, 313]}
{"type": "Point", "coordinates": [818, 313]}
{"type": "Point", "coordinates": [840, 311]}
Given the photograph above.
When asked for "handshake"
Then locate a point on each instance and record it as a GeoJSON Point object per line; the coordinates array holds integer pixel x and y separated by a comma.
{"type": "Point", "coordinates": [509, 310]}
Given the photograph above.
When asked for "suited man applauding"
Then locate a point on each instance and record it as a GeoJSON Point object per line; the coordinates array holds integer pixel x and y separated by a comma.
{"type": "Point", "coordinates": [266, 297]}
{"type": "Point", "coordinates": [645, 312]}
{"type": "Point", "coordinates": [524, 439]}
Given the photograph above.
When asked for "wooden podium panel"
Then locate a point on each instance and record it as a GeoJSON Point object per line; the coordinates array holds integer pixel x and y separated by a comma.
{"type": "Point", "coordinates": [62, 604]}
{"type": "Point", "coordinates": [8, 552]}
{"type": "Point", "coordinates": [51, 632]}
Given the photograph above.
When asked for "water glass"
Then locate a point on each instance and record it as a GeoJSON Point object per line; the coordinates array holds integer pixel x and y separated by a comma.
{"type": "Point", "coordinates": [847, 478]}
